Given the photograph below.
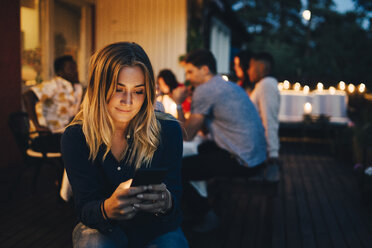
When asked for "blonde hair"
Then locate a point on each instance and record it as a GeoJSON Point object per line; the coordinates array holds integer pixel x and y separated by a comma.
{"type": "Point", "coordinates": [94, 117]}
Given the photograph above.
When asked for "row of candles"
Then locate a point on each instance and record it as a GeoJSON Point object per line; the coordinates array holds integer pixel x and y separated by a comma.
{"type": "Point", "coordinates": [286, 85]}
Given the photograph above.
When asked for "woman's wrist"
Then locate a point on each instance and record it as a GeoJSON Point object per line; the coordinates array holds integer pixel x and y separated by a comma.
{"type": "Point", "coordinates": [103, 211]}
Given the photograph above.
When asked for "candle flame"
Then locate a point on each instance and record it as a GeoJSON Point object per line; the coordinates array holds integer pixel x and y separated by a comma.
{"type": "Point", "coordinates": [307, 108]}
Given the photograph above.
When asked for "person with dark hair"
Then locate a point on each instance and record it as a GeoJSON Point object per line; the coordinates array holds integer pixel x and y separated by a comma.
{"type": "Point", "coordinates": [241, 65]}
{"type": "Point", "coordinates": [167, 82]}
{"type": "Point", "coordinates": [266, 98]}
{"type": "Point", "coordinates": [237, 145]}
{"type": "Point", "coordinates": [116, 133]}
{"type": "Point", "coordinates": [52, 104]}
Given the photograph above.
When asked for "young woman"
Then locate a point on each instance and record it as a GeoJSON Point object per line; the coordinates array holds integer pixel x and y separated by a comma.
{"type": "Point", "coordinates": [115, 133]}
{"type": "Point", "coordinates": [167, 82]}
{"type": "Point", "coordinates": [241, 66]}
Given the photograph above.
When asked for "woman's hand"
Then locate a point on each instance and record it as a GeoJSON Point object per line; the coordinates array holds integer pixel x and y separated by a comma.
{"type": "Point", "coordinates": [157, 199]}
{"type": "Point", "coordinates": [121, 204]}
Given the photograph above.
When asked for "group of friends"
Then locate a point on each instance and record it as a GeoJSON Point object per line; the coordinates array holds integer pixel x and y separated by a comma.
{"type": "Point", "coordinates": [118, 129]}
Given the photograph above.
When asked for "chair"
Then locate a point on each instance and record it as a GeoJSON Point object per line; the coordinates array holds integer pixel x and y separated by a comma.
{"type": "Point", "coordinates": [19, 125]}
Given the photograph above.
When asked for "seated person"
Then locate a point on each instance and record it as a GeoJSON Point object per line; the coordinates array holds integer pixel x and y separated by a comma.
{"type": "Point", "coordinates": [238, 144]}
{"type": "Point", "coordinates": [266, 98]}
{"type": "Point", "coordinates": [167, 82]}
{"type": "Point", "coordinates": [59, 100]}
{"type": "Point", "coordinates": [241, 65]}
{"type": "Point", "coordinates": [115, 133]}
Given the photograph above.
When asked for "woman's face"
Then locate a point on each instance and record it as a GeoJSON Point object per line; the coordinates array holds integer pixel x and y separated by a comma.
{"type": "Point", "coordinates": [128, 97]}
{"type": "Point", "coordinates": [238, 70]}
{"type": "Point", "coordinates": [164, 88]}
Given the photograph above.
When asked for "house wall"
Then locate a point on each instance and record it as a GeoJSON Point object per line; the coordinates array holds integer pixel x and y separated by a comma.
{"type": "Point", "coordinates": [220, 43]}
{"type": "Point", "coordinates": [159, 26]}
{"type": "Point", "coordinates": [67, 25]}
{"type": "Point", "coordinates": [10, 80]}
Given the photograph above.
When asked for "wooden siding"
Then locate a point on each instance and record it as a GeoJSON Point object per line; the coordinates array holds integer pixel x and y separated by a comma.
{"type": "Point", "coordinates": [159, 26]}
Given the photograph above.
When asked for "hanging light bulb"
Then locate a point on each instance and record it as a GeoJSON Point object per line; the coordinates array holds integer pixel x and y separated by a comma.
{"type": "Point", "coordinates": [306, 89]}
{"type": "Point", "coordinates": [342, 85]}
{"type": "Point", "coordinates": [351, 88]}
{"type": "Point", "coordinates": [287, 84]}
{"type": "Point", "coordinates": [280, 86]}
{"type": "Point", "coordinates": [332, 90]}
{"type": "Point", "coordinates": [361, 88]}
{"type": "Point", "coordinates": [319, 86]}
{"type": "Point", "coordinates": [297, 86]}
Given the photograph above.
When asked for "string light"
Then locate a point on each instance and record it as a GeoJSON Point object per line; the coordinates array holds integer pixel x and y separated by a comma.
{"type": "Point", "coordinates": [361, 88]}
{"type": "Point", "coordinates": [280, 86]}
{"type": "Point", "coordinates": [319, 86]}
{"type": "Point", "coordinates": [351, 88]}
{"type": "Point", "coordinates": [306, 89]}
{"type": "Point", "coordinates": [342, 85]}
{"type": "Point", "coordinates": [332, 90]}
{"type": "Point", "coordinates": [287, 84]}
{"type": "Point", "coordinates": [297, 86]}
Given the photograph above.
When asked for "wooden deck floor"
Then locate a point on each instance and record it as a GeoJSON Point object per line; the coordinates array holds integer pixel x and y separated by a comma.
{"type": "Point", "coordinates": [317, 205]}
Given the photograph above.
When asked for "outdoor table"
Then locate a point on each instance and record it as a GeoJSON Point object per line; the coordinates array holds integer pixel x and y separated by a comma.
{"type": "Point", "coordinates": [332, 104]}
{"type": "Point", "coordinates": [292, 105]}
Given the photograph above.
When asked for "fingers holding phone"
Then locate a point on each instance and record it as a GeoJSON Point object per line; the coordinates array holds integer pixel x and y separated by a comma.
{"type": "Point", "coordinates": [120, 205]}
{"type": "Point", "coordinates": [157, 199]}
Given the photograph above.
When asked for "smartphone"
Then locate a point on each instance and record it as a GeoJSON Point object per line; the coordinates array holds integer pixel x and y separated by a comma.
{"type": "Point", "coordinates": [149, 176]}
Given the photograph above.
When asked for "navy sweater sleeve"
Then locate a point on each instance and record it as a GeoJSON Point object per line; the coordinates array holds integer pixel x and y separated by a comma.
{"type": "Point", "coordinates": [171, 157]}
{"type": "Point", "coordinates": [84, 178]}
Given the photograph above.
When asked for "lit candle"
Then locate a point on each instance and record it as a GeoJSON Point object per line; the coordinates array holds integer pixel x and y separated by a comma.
{"type": "Point", "coordinates": [332, 90]}
{"type": "Point", "coordinates": [307, 108]}
{"type": "Point", "coordinates": [287, 85]}
{"type": "Point", "coordinates": [280, 86]}
{"type": "Point", "coordinates": [361, 88]}
{"type": "Point", "coordinates": [342, 85]}
{"type": "Point", "coordinates": [225, 78]}
{"type": "Point", "coordinates": [306, 89]}
{"type": "Point", "coordinates": [319, 86]}
{"type": "Point", "coordinates": [351, 88]}
{"type": "Point", "coordinates": [297, 86]}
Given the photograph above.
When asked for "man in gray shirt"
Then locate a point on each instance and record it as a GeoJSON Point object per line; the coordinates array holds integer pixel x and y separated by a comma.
{"type": "Point", "coordinates": [266, 98]}
{"type": "Point", "coordinates": [238, 144]}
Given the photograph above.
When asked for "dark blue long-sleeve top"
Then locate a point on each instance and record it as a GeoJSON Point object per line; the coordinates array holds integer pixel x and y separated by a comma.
{"type": "Point", "coordinates": [92, 182]}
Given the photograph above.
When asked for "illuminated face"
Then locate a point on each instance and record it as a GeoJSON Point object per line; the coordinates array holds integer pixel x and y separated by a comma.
{"type": "Point", "coordinates": [128, 97]}
{"type": "Point", "coordinates": [238, 70]}
{"type": "Point", "coordinates": [195, 75]}
{"type": "Point", "coordinates": [256, 70]}
{"type": "Point", "coordinates": [164, 88]}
